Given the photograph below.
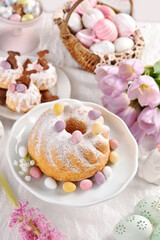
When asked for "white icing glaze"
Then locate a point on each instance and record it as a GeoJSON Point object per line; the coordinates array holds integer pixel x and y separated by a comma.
{"type": "Point", "coordinates": [62, 141]}
{"type": "Point", "coordinates": [25, 101]}
{"type": "Point", "coordinates": [48, 77]}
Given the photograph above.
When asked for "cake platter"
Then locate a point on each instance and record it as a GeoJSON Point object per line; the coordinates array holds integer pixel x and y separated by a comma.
{"type": "Point", "coordinates": [123, 171]}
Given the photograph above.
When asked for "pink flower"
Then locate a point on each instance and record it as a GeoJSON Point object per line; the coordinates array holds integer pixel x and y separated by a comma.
{"type": "Point", "coordinates": [146, 90]}
{"type": "Point", "coordinates": [116, 104]}
{"type": "Point", "coordinates": [129, 115]}
{"type": "Point", "coordinates": [103, 71]}
{"type": "Point", "coordinates": [130, 69]}
{"type": "Point", "coordinates": [137, 132]}
{"type": "Point", "coordinates": [149, 120]}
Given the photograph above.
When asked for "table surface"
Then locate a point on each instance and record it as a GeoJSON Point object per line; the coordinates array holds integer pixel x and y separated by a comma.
{"type": "Point", "coordinates": [95, 222]}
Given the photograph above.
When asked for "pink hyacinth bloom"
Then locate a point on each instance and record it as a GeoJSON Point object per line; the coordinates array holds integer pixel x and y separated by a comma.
{"type": "Point", "coordinates": [112, 85]}
{"type": "Point", "coordinates": [137, 132]}
{"type": "Point", "coordinates": [146, 90]}
{"type": "Point", "coordinates": [116, 104]}
{"type": "Point", "coordinates": [103, 71]}
{"type": "Point", "coordinates": [130, 69]}
{"type": "Point", "coordinates": [33, 225]}
{"type": "Point", "coordinates": [149, 120]}
{"type": "Point", "coordinates": [129, 115]}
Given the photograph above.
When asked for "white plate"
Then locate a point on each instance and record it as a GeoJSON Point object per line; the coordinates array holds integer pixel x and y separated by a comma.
{"type": "Point", "coordinates": [123, 171]}
{"type": "Point", "coordinates": [62, 89]}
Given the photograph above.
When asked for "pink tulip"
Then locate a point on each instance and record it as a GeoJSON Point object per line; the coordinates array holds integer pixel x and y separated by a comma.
{"type": "Point", "coordinates": [149, 120]}
{"type": "Point", "coordinates": [146, 90]}
{"type": "Point", "coordinates": [129, 115]}
{"type": "Point", "coordinates": [137, 132]}
{"type": "Point", "coordinates": [103, 71]}
{"type": "Point", "coordinates": [116, 104]}
{"type": "Point", "coordinates": [130, 69]}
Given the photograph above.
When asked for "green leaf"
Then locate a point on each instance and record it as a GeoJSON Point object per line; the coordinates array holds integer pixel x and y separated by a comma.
{"type": "Point", "coordinates": [149, 70]}
{"type": "Point", "coordinates": [157, 67]}
{"type": "Point", "coordinates": [157, 80]}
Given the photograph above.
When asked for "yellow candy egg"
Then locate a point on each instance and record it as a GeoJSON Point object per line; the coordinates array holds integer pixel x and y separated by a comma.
{"type": "Point", "coordinates": [113, 157]}
{"type": "Point", "coordinates": [58, 108]}
{"type": "Point", "coordinates": [96, 128]}
{"type": "Point", "coordinates": [27, 17]}
{"type": "Point", "coordinates": [23, 2]}
{"type": "Point", "coordinates": [69, 187]}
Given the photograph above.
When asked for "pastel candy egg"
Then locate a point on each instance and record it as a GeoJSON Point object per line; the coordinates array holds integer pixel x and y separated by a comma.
{"type": "Point", "coordinates": [133, 227]}
{"type": "Point", "coordinates": [69, 187]}
{"type": "Point", "coordinates": [75, 23]}
{"type": "Point", "coordinates": [23, 2]}
{"type": "Point", "coordinates": [8, 12]}
{"type": "Point", "coordinates": [84, 6]}
{"type": "Point", "coordinates": [27, 8]}
{"type": "Point", "coordinates": [91, 17]}
{"type": "Point", "coordinates": [156, 234]}
{"type": "Point", "coordinates": [96, 128]}
{"type": "Point", "coordinates": [105, 47]}
{"type": "Point", "coordinates": [50, 183]}
{"type": "Point", "coordinates": [113, 157]}
{"type": "Point", "coordinates": [99, 178]}
{"type": "Point", "coordinates": [36, 11]}
{"type": "Point", "coordinates": [21, 88]}
{"type": "Point", "coordinates": [114, 144]}
{"type": "Point", "coordinates": [107, 171]}
{"type": "Point", "coordinates": [35, 172]}
{"type": "Point", "coordinates": [5, 65]}
{"type": "Point", "coordinates": [86, 184]}
{"type": "Point", "coordinates": [107, 12]}
{"type": "Point", "coordinates": [58, 109]}
{"type": "Point", "coordinates": [76, 136]}
{"type": "Point", "coordinates": [123, 44]}
{"type": "Point", "coordinates": [12, 87]}
{"type": "Point", "coordinates": [149, 207]}
{"type": "Point", "coordinates": [86, 37]}
{"type": "Point", "coordinates": [2, 9]}
{"type": "Point", "coordinates": [38, 67]}
{"type": "Point", "coordinates": [94, 114]}
{"type": "Point", "coordinates": [22, 151]}
{"type": "Point", "coordinates": [59, 126]}
{"type": "Point", "coordinates": [27, 17]}
{"type": "Point", "coordinates": [105, 30]}
{"type": "Point", "coordinates": [125, 24]}
{"type": "Point", "coordinates": [15, 17]}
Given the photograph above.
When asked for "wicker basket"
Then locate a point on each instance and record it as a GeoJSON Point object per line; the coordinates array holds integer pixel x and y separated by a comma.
{"type": "Point", "coordinates": [87, 59]}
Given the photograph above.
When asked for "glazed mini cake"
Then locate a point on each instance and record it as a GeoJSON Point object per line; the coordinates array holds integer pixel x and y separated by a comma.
{"type": "Point", "coordinates": [45, 76]}
{"type": "Point", "coordinates": [10, 69]}
{"type": "Point", "coordinates": [23, 95]}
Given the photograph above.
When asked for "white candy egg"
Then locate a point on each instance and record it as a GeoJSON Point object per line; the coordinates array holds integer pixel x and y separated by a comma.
{"type": "Point", "coordinates": [107, 171]}
{"type": "Point", "coordinates": [50, 183]}
{"type": "Point", "coordinates": [149, 207]}
{"type": "Point", "coordinates": [2, 9]}
{"type": "Point", "coordinates": [104, 47]}
{"type": "Point", "coordinates": [91, 17]}
{"type": "Point", "coordinates": [27, 178]}
{"type": "Point", "coordinates": [27, 9]}
{"type": "Point", "coordinates": [7, 13]}
{"type": "Point", "coordinates": [36, 11]}
{"type": "Point", "coordinates": [156, 234]}
{"type": "Point", "coordinates": [22, 151]}
{"type": "Point", "coordinates": [75, 23]}
{"type": "Point", "coordinates": [133, 228]}
{"type": "Point", "coordinates": [123, 44]}
{"type": "Point", "coordinates": [125, 24]}
{"type": "Point", "coordinates": [1, 129]}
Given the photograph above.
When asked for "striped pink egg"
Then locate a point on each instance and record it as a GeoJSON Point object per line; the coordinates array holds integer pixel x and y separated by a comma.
{"type": "Point", "coordinates": [105, 30]}
{"type": "Point", "coordinates": [107, 12]}
{"type": "Point", "coordinates": [85, 6]}
{"type": "Point", "coordinates": [86, 37]}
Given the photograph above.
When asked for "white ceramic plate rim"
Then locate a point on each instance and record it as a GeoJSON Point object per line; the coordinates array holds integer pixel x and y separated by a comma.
{"type": "Point", "coordinates": [53, 201]}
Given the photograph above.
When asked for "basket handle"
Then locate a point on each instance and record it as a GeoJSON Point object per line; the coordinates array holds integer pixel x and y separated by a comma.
{"type": "Point", "coordinates": [79, 1]}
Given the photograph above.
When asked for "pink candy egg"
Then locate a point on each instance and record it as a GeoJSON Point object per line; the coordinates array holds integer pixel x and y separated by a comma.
{"type": "Point", "coordinates": [15, 17]}
{"type": "Point", "coordinates": [76, 136]}
{"type": "Point", "coordinates": [91, 17]}
{"type": "Point", "coordinates": [84, 6]}
{"type": "Point", "coordinates": [105, 30]}
{"type": "Point", "coordinates": [59, 126]}
{"type": "Point", "coordinates": [38, 67]}
{"type": "Point", "coordinates": [107, 12]}
{"type": "Point", "coordinates": [35, 172]}
{"type": "Point", "coordinates": [114, 144]}
{"type": "Point", "coordinates": [86, 37]}
{"type": "Point", "coordinates": [5, 65]}
{"type": "Point", "coordinates": [12, 87]}
{"type": "Point", "coordinates": [125, 24]}
{"type": "Point", "coordinates": [99, 178]}
{"type": "Point", "coordinates": [21, 88]}
{"type": "Point", "coordinates": [94, 114]}
{"type": "Point", "coordinates": [86, 184]}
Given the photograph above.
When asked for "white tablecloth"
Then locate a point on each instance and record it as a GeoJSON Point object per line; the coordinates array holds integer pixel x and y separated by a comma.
{"type": "Point", "coordinates": [91, 223]}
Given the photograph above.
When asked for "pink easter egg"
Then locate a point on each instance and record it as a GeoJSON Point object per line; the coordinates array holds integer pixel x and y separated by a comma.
{"type": "Point", "coordinates": [105, 30]}
{"type": "Point", "coordinates": [94, 114]}
{"type": "Point", "coordinates": [84, 6]}
{"type": "Point", "coordinates": [59, 126]}
{"type": "Point", "coordinates": [38, 67]}
{"type": "Point", "coordinates": [125, 24]}
{"type": "Point", "coordinates": [86, 37]}
{"type": "Point", "coordinates": [76, 136]}
{"type": "Point", "coordinates": [12, 87]}
{"type": "Point", "coordinates": [21, 88]}
{"type": "Point", "coordinates": [5, 65]}
{"type": "Point", "coordinates": [35, 172]}
{"type": "Point", "coordinates": [86, 184]}
{"type": "Point", "coordinates": [99, 178]}
{"type": "Point", "coordinates": [15, 17]}
{"type": "Point", "coordinates": [107, 12]}
{"type": "Point", "coordinates": [114, 144]}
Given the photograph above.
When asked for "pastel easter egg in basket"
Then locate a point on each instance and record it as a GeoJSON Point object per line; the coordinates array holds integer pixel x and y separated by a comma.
{"type": "Point", "coordinates": [84, 6]}
{"type": "Point", "coordinates": [149, 207]}
{"type": "Point", "coordinates": [107, 11]}
{"type": "Point", "coordinates": [86, 37]}
{"type": "Point", "coordinates": [123, 44]}
{"type": "Point", "coordinates": [91, 17]}
{"type": "Point", "coordinates": [75, 23]}
{"type": "Point", "coordinates": [133, 227]}
{"type": "Point", "coordinates": [105, 47]}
